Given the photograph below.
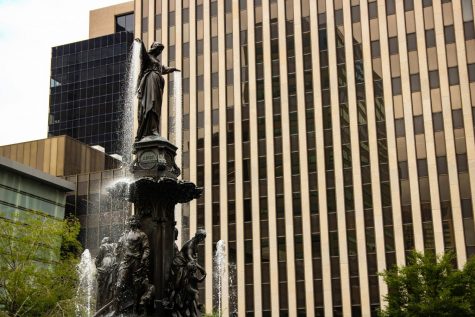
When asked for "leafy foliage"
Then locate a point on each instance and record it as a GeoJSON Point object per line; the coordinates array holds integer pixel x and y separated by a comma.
{"type": "Point", "coordinates": [430, 286]}
{"type": "Point", "coordinates": [38, 258]}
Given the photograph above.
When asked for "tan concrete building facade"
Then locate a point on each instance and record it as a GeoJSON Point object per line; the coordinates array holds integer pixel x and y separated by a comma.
{"type": "Point", "coordinates": [102, 21]}
{"type": "Point", "coordinates": [331, 137]}
{"type": "Point", "coordinates": [59, 156]}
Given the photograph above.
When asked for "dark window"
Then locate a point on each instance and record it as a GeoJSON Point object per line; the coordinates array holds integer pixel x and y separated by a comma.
{"type": "Point", "coordinates": [469, 31]}
{"type": "Point", "coordinates": [199, 47]}
{"type": "Point", "coordinates": [453, 76]}
{"type": "Point", "coordinates": [457, 118]}
{"type": "Point", "coordinates": [430, 38]}
{"type": "Point", "coordinates": [214, 44]}
{"type": "Point", "coordinates": [158, 21]}
{"type": "Point", "coordinates": [200, 83]}
{"type": "Point", "coordinates": [393, 46]}
{"type": "Point", "coordinates": [229, 41]}
{"type": "Point", "coordinates": [171, 18]}
{"type": "Point", "coordinates": [442, 165]}
{"type": "Point", "coordinates": [403, 170]}
{"type": "Point", "coordinates": [214, 80]}
{"type": "Point", "coordinates": [186, 50]}
{"type": "Point", "coordinates": [124, 23]}
{"type": "Point", "coordinates": [422, 167]}
{"type": "Point", "coordinates": [400, 127]}
{"type": "Point", "coordinates": [185, 15]}
{"type": "Point", "coordinates": [355, 13]}
{"type": "Point", "coordinates": [375, 48]}
{"type": "Point", "coordinates": [418, 125]}
{"type": "Point", "coordinates": [415, 83]}
{"type": "Point", "coordinates": [434, 79]}
{"type": "Point", "coordinates": [145, 25]}
{"type": "Point", "coordinates": [373, 10]}
{"type": "Point", "coordinates": [199, 12]}
{"type": "Point", "coordinates": [390, 7]}
{"type": "Point", "coordinates": [339, 17]}
{"type": "Point", "coordinates": [426, 3]}
{"type": "Point", "coordinates": [396, 85]}
{"type": "Point", "coordinates": [471, 72]}
{"type": "Point", "coordinates": [229, 77]}
{"type": "Point", "coordinates": [462, 163]}
{"type": "Point", "coordinates": [214, 8]}
{"type": "Point", "coordinates": [408, 5]}
{"type": "Point", "coordinates": [438, 121]}
{"type": "Point", "coordinates": [171, 53]}
{"type": "Point", "coordinates": [467, 12]}
{"type": "Point", "coordinates": [411, 42]}
{"type": "Point", "coordinates": [449, 34]}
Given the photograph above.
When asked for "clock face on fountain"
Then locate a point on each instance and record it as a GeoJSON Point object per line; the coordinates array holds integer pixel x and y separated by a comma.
{"type": "Point", "coordinates": [148, 160]}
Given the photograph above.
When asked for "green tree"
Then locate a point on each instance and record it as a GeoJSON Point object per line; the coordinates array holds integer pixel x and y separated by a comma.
{"type": "Point", "coordinates": [38, 258]}
{"type": "Point", "coordinates": [430, 285]}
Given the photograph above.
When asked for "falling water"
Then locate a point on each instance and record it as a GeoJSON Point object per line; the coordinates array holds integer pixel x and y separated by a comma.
{"type": "Point", "coordinates": [132, 75]}
{"type": "Point", "coordinates": [232, 289]}
{"type": "Point", "coordinates": [118, 194]}
{"type": "Point", "coordinates": [219, 273]}
{"type": "Point", "coordinates": [85, 292]}
{"type": "Point", "coordinates": [176, 128]}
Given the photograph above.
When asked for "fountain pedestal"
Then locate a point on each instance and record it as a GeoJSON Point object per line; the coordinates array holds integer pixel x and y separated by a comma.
{"type": "Point", "coordinates": [155, 192]}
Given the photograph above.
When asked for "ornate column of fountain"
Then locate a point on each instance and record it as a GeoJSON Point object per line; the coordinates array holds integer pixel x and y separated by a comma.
{"type": "Point", "coordinates": [155, 193]}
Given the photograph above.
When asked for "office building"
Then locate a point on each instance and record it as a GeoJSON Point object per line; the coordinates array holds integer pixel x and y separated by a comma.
{"type": "Point", "coordinates": [331, 138]}
{"type": "Point", "coordinates": [89, 174]}
{"type": "Point", "coordinates": [24, 189]}
{"type": "Point", "coordinates": [27, 194]}
{"type": "Point", "coordinates": [59, 156]}
{"type": "Point", "coordinates": [87, 81]}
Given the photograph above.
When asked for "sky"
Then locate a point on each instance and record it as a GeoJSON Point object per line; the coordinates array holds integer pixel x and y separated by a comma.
{"type": "Point", "coordinates": [28, 30]}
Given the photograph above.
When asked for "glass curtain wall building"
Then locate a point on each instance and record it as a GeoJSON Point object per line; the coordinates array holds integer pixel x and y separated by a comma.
{"type": "Point", "coordinates": [87, 78]}
{"type": "Point", "coordinates": [331, 138]}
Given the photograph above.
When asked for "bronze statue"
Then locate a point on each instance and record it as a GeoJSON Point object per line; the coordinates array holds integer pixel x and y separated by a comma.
{"type": "Point", "coordinates": [150, 89]}
{"type": "Point", "coordinates": [133, 289]}
{"type": "Point", "coordinates": [185, 274]}
{"type": "Point", "coordinates": [106, 273]}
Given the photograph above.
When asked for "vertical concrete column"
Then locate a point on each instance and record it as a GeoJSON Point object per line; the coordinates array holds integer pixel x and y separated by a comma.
{"type": "Point", "coordinates": [256, 242]}
{"type": "Point", "coordinates": [355, 154]}
{"type": "Point", "coordinates": [179, 111]}
{"type": "Point", "coordinates": [320, 146]}
{"type": "Point", "coordinates": [208, 184]}
{"type": "Point", "coordinates": [138, 18]}
{"type": "Point", "coordinates": [286, 160]}
{"type": "Point", "coordinates": [303, 163]}
{"type": "Point", "coordinates": [241, 284]}
{"type": "Point", "coordinates": [409, 125]}
{"type": "Point", "coordinates": [465, 92]}
{"type": "Point", "coordinates": [193, 115]}
{"type": "Point", "coordinates": [270, 171]}
{"type": "Point", "coordinates": [338, 161]}
{"type": "Point", "coordinates": [151, 21]}
{"type": "Point", "coordinates": [392, 153]}
{"type": "Point", "coordinates": [165, 41]}
{"type": "Point", "coordinates": [373, 153]}
{"type": "Point", "coordinates": [429, 130]}
{"type": "Point", "coordinates": [223, 172]}
{"type": "Point", "coordinates": [449, 135]}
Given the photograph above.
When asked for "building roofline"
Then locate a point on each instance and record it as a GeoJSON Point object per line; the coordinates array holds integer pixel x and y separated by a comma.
{"type": "Point", "coordinates": [35, 174]}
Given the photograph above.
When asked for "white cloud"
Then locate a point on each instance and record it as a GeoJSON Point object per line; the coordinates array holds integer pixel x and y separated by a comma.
{"type": "Point", "coordinates": [28, 30]}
